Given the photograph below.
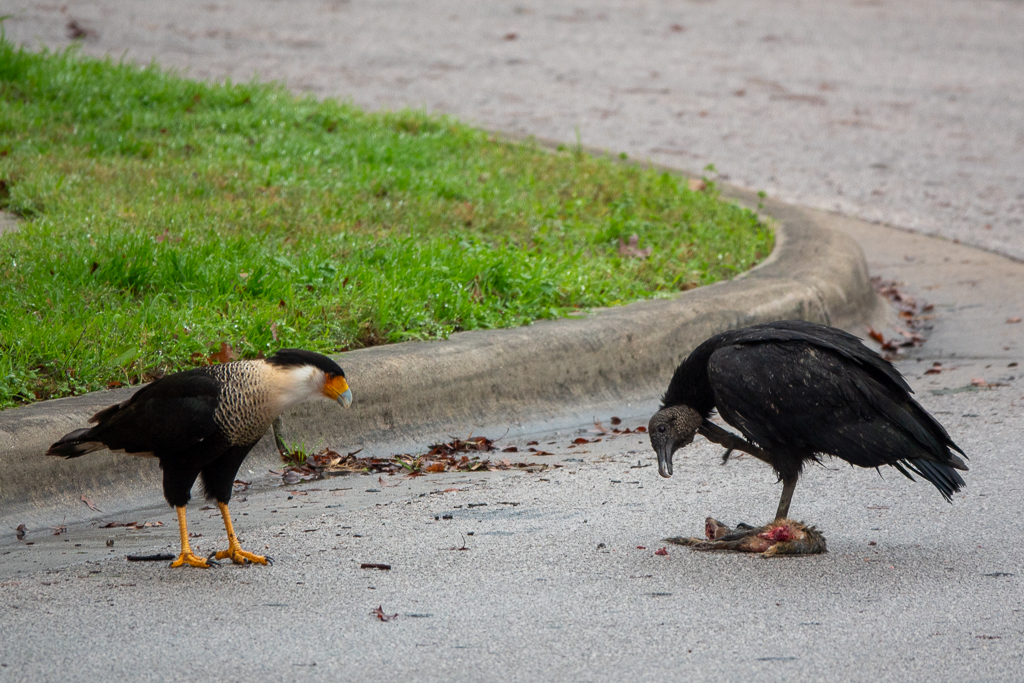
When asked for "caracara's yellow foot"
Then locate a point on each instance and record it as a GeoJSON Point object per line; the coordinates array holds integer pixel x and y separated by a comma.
{"type": "Point", "coordinates": [193, 560]}
{"type": "Point", "coordinates": [239, 556]}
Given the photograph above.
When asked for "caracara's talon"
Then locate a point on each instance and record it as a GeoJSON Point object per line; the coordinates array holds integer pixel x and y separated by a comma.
{"type": "Point", "coordinates": [192, 560]}
{"type": "Point", "coordinates": [239, 556]}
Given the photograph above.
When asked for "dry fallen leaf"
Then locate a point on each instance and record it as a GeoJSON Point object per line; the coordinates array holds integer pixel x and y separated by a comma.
{"type": "Point", "coordinates": [379, 613]}
{"type": "Point", "coordinates": [225, 355]}
{"type": "Point", "coordinates": [89, 503]}
{"type": "Point", "coordinates": [1012, 321]}
{"type": "Point", "coordinates": [696, 185]}
{"type": "Point", "coordinates": [375, 565]}
{"type": "Point", "coordinates": [20, 532]}
{"type": "Point", "coordinates": [616, 421]}
{"type": "Point", "coordinates": [663, 552]}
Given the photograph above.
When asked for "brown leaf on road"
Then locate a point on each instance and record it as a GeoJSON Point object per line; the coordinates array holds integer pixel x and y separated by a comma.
{"type": "Point", "coordinates": [20, 532]}
{"type": "Point", "coordinates": [90, 504]}
{"type": "Point", "coordinates": [615, 421]}
{"type": "Point", "coordinates": [599, 428]}
{"type": "Point", "coordinates": [78, 32]}
{"type": "Point", "coordinates": [379, 613]}
{"type": "Point", "coordinates": [663, 552]}
{"type": "Point", "coordinates": [225, 355]}
{"type": "Point", "coordinates": [510, 449]}
{"type": "Point", "coordinates": [437, 467]}
{"type": "Point", "coordinates": [1014, 320]}
{"type": "Point", "coordinates": [876, 335]}
{"type": "Point", "coordinates": [58, 530]}
{"type": "Point", "coordinates": [375, 565]}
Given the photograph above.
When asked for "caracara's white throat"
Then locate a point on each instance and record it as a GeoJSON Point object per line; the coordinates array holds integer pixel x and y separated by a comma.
{"type": "Point", "coordinates": [294, 385]}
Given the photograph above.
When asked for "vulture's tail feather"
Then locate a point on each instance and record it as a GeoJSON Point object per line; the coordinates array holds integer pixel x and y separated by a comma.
{"type": "Point", "coordinates": [946, 479]}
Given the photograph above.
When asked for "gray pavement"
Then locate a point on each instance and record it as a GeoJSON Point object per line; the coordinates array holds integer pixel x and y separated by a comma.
{"type": "Point", "coordinates": [533, 597]}
{"type": "Point", "coordinates": [905, 112]}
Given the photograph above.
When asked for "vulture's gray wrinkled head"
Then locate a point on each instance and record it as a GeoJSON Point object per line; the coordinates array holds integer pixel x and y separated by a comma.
{"type": "Point", "coordinates": [671, 429]}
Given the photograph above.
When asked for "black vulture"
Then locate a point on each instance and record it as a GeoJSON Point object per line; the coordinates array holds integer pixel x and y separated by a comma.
{"type": "Point", "coordinates": [796, 391]}
{"type": "Point", "coordinates": [203, 422]}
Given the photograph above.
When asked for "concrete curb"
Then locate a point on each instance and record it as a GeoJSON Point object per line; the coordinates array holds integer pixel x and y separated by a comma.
{"type": "Point", "coordinates": [406, 393]}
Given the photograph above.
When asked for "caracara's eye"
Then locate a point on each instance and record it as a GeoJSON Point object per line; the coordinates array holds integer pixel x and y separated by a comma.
{"type": "Point", "coordinates": [662, 428]}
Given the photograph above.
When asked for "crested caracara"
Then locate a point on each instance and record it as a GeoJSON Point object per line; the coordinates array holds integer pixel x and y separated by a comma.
{"type": "Point", "coordinates": [203, 422]}
{"type": "Point", "coordinates": [796, 391]}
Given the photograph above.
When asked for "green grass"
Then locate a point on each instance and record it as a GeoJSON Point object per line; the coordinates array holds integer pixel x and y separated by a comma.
{"type": "Point", "coordinates": [164, 216]}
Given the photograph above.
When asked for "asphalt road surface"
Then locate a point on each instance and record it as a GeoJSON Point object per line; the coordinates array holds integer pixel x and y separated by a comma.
{"type": "Point", "coordinates": [904, 113]}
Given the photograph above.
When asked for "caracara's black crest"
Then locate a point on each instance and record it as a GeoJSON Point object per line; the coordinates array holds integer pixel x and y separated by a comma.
{"type": "Point", "coordinates": [293, 358]}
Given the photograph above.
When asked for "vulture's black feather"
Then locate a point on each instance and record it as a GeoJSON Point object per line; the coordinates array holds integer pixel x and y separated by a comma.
{"type": "Point", "coordinates": [798, 390]}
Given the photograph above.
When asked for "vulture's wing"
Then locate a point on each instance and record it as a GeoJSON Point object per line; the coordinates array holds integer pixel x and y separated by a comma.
{"type": "Point", "coordinates": [800, 397]}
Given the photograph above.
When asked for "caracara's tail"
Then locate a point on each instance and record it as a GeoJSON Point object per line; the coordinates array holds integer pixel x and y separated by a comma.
{"type": "Point", "coordinates": [75, 444]}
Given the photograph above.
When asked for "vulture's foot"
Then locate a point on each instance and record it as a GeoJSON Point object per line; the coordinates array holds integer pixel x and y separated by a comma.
{"type": "Point", "coordinates": [187, 557]}
{"type": "Point", "coordinates": [239, 556]}
{"type": "Point", "coordinates": [781, 537]}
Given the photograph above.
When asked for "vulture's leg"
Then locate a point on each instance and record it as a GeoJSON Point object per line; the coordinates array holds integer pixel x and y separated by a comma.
{"type": "Point", "coordinates": [234, 551]}
{"type": "Point", "coordinates": [788, 486]}
{"type": "Point", "coordinates": [187, 557]}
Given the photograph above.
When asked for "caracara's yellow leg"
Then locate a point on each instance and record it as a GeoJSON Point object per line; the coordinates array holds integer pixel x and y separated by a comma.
{"type": "Point", "coordinates": [186, 556]}
{"type": "Point", "coordinates": [234, 551]}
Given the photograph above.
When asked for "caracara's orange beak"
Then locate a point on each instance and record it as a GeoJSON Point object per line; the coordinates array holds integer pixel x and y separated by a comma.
{"type": "Point", "coordinates": [336, 388]}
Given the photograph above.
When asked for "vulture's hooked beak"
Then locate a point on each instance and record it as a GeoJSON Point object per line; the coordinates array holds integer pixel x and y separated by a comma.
{"type": "Point", "coordinates": [665, 459]}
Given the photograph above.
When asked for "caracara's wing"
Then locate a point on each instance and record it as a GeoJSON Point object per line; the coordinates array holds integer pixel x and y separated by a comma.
{"type": "Point", "coordinates": [798, 397]}
{"type": "Point", "coordinates": [168, 415]}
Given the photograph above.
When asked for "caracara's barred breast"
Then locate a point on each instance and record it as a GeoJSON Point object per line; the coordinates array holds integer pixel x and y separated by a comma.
{"type": "Point", "coordinates": [245, 406]}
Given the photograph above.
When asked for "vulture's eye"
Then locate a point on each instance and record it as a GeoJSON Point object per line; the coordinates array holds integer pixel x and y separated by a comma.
{"type": "Point", "coordinates": [662, 428]}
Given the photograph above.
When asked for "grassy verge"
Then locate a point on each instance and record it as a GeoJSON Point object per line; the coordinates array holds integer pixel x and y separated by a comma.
{"type": "Point", "coordinates": [166, 216]}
